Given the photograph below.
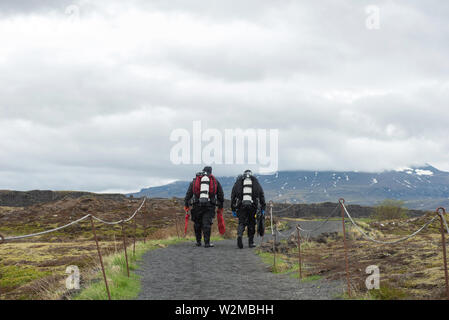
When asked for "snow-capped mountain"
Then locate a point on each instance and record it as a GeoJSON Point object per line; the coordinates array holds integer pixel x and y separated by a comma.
{"type": "Point", "coordinates": [421, 188]}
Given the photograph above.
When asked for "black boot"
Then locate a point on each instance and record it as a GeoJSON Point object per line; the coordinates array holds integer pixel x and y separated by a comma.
{"type": "Point", "coordinates": [239, 242]}
{"type": "Point", "coordinates": [251, 242]}
{"type": "Point", "coordinates": [206, 233]}
{"type": "Point", "coordinates": [198, 242]}
{"type": "Point", "coordinates": [197, 228]}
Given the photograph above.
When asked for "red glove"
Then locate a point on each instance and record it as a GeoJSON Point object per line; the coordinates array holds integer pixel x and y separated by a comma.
{"type": "Point", "coordinates": [221, 223]}
{"type": "Point", "coordinates": [186, 223]}
{"type": "Point", "coordinates": [186, 209]}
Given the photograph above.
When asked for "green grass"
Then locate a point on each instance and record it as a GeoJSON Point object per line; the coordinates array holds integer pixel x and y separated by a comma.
{"type": "Point", "coordinates": [309, 278]}
{"type": "Point", "coordinates": [283, 264]}
{"type": "Point", "coordinates": [267, 258]}
{"type": "Point", "coordinates": [14, 276]}
{"type": "Point", "coordinates": [120, 286]}
{"type": "Point", "coordinates": [306, 279]}
{"type": "Point", "coordinates": [387, 293]}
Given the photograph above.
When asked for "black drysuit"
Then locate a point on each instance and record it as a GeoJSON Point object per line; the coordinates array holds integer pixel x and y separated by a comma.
{"type": "Point", "coordinates": [246, 214]}
{"type": "Point", "coordinates": [203, 215]}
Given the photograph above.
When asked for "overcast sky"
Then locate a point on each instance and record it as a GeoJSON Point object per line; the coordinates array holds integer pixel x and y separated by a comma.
{"type": "Point", "coordinates": [91, 90]}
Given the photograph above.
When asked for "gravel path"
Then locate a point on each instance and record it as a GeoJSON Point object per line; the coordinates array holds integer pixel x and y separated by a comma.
{"type": "Point", "coordinates": [183, 271]}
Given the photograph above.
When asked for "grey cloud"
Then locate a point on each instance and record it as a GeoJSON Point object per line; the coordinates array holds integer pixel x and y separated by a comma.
{"type": "Point", "coordinates": [21, 7]}
{"type": "Point", "coordinates": [91, 104]}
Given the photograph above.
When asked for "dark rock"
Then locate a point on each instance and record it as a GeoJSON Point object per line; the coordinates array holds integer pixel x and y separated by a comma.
{"type": "Point", "coordinates": [27, 198]}
{"type": "Point", "coordinates": [323, 238]}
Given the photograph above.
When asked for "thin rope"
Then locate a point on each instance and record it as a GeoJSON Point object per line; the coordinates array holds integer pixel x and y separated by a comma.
{"type": "Point", "coordinates": [285, 209]}
{"type": "Point", "coordinates": [387, 242]}
{"type": "Point", "coordinates": [322, 224]}
{"type": "Point", "coordinates": [47, 231]}
{"type": "Point", "coordinates": [75, 222]}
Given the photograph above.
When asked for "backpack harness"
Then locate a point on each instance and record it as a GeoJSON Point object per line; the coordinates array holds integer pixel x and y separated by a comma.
{"type": "Point", "coordinates": [247, 191]}
{"type": "Point", "coordinates": [204, 187]}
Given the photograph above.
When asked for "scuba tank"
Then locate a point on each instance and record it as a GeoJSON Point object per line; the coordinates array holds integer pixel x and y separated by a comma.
{"type": "Point", "coordinates": [204, 189]}
{"type": "Point", "coordinates": [247, 189]}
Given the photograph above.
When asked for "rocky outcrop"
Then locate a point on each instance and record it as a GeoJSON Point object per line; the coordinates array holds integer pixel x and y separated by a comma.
{"type": "Point", "coordinates": [27, 198]}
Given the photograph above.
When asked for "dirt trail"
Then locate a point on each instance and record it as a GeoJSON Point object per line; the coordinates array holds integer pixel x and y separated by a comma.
{"type": "Point", "coordinates": [184, 271]}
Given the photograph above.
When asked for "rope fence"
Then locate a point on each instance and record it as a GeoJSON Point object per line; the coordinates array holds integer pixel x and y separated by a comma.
{"type": "Point", "coordinates": [440, 213]}
{"type": "Point", "coordinates": [285, 209]}
{"type": "Point", "coordinates": [326, 220]}
{"type": "Point", "coordinates": [120, 222]}
{"type": "Point", "coordinates": [75, 222]}
{"type": "Point", "coordinates": [366, 236]}
{"type": "Point", "coordinates": [47, 231]}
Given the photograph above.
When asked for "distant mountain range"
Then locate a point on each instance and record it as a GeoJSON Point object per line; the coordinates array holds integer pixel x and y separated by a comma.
{"type": "Point", "coordinates": [423, 188]}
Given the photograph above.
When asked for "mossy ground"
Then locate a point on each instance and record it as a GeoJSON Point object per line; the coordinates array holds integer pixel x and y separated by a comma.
{"type": "Point", "coordinates": [35, 268]}
{"type": "Point", "coordinates": [408, 270]}
{"type": "Point", "coordinates": [30, 270]}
